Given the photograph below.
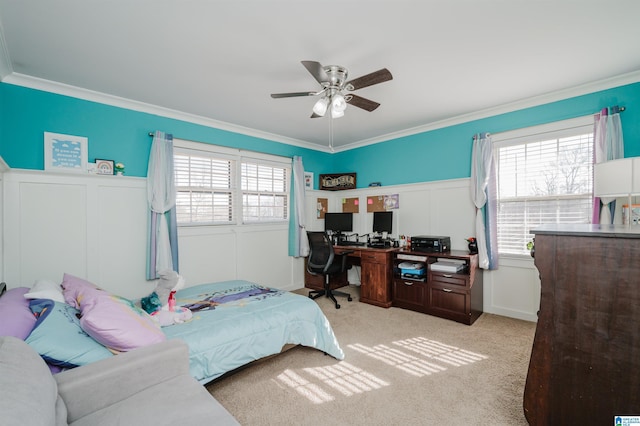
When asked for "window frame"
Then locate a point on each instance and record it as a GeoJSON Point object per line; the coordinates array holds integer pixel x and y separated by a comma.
{"type": "Point", "coordinates": [237, 157]}
{"type": "Point", "coordinates": [540, 133]}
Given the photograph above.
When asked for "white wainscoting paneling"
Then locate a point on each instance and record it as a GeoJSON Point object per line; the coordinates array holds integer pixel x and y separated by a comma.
{"type": "Point", "coordinates": [95, 227]}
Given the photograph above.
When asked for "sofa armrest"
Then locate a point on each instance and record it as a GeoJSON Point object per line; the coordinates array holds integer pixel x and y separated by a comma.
{"type": "Point", "coordinates": [94, 386]}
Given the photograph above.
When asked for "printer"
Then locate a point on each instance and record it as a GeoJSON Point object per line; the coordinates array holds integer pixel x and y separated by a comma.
{"type": "Point", "coordinates": [430, 244]}
{"type": "Point", "coordinates": [414, 270]}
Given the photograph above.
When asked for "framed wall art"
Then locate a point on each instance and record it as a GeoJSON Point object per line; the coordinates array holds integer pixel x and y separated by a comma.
{"type": "Point", "coordinates": [104, 167]}
{"type": "Point", "coordinates": [308, 180]}
{"type": "Point", "coordinates": [65, 153]}
{"type": "Point", "coordinates": [338, 181]}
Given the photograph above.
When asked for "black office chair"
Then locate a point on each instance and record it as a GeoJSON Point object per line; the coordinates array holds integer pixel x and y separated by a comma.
{"type": "Point", "coordinates": [324, 261]}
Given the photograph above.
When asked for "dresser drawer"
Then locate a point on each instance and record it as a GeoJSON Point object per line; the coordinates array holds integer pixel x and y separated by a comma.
{"type": "Point", "coordinates": [444, 278]}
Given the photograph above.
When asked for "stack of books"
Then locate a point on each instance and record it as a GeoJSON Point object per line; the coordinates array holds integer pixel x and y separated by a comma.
{"type": "Point", "coordinates": [448, 265]}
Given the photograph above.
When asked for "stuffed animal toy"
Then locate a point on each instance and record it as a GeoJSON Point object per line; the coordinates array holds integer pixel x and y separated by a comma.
{"type": "Point", "coordinates": [161, 303]}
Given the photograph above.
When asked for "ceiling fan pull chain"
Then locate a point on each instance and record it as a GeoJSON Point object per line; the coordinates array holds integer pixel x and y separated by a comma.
{"type": "Point", "coordinates": [331, 133]}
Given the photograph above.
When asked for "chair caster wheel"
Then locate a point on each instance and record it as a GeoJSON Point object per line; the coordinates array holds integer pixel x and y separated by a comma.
{"type": "Point", "coordinates": [337, 306]}
{"type": "Point", "coordinates": [349, 299]}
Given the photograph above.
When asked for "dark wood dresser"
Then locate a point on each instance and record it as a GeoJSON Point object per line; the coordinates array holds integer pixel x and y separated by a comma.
{"type": "Point", "coordinates": [585, 360]}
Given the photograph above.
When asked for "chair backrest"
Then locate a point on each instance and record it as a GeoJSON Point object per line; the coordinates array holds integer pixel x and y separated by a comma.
{"type": "Point", "coordinates": [321, 252]}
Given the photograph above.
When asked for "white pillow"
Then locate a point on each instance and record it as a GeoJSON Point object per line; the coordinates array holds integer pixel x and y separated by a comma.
{"type": "Point", "coordinates": [46, 289]}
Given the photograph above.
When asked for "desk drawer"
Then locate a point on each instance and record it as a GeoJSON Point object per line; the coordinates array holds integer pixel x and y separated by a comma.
{"type": "Point", "coordinates": [340, 250]}
{"type": "Point", "coordinates": [374, 257]}
{"type": "Point", "coordinates": [444, 278]}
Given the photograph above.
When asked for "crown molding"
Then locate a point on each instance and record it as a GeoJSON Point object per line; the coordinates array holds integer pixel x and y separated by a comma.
{"type": "Point", "coordinates": [103, 98]}
{"type": "Point", "coordinates": [584, 89]}
{"type": "Point", "coordinates": [116, 101]}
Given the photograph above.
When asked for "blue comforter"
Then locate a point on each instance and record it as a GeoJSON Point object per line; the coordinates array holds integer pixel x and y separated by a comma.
{"type": "Point", "coordinates": [236, 322]}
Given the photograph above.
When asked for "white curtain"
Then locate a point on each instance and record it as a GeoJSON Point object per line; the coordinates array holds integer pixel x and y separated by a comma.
{"type": "Point", "coordinates": [162, 250]}
{"type": "Point", "coordinates": [298, 243]}
{"type": "Point", "coordinates": [608, 145]}
{"type": "Point", "coordinates": [481, 168]}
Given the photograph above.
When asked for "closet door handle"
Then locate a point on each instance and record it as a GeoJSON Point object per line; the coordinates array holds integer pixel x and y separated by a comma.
{"type": "Point", "coordinates": [447, 290]}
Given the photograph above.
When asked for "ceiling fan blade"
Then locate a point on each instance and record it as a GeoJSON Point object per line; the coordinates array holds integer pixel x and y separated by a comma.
{"type": "Point", "coordinates": [375, 77]}
{"type": "Point", "coordinates": [361, 102]}
{"type": "Point", "coordinates": [317, 71]}
{"type": "Point", "coordinates": [292, 94]}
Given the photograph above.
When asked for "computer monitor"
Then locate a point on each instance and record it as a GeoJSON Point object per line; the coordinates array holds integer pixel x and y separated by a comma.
{"type": "Point", "coordinates": [338, 222]}
{"type": "Point", "coordinates": [382, 221]}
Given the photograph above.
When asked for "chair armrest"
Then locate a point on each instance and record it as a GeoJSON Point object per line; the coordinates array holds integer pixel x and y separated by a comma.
{"type": "Point", "coordinates": [94, 386]}
{"type": "Point", "coordinates": [344, 255]}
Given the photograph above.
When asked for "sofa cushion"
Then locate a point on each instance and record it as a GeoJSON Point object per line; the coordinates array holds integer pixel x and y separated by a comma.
{"type": "Point", "coordinates": [58, 337]}
{"type": "Point", "coordinates": [28, 392]}
{"type": "Point", "coordinates": [191, 405]}
{"type": "Point", "coordinates": [16, 318]}
{"type": "Point", "coordinates": [112, 320]}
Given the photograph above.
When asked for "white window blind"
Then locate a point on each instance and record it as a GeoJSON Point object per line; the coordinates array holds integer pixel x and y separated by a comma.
{"type": "Point", "coordinates": [543, 177]}
{"type": "Point", "coordinates": [204, 188]}
{"type": "Point", "coordinates": [264, 192]}
{"type": "Point", "coordinates": [218, 186]}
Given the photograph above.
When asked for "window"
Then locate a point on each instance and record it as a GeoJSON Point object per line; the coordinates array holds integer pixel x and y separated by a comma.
{"type": "Point", "coordinates": [264, 192]}
{"type": "Point", "coordinates": [216, 186]}
{"type": "Point", "coordinates": [545, 175]}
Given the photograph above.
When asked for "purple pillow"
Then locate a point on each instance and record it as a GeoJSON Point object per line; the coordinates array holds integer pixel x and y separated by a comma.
{"type": "Point", "coordinates": [112, 320]}
{"type": "Point", "coordinates": [16, 319]}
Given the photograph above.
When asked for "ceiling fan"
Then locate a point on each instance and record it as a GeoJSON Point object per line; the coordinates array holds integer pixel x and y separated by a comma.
{"type": "Point", "coordinates": [335, 87]}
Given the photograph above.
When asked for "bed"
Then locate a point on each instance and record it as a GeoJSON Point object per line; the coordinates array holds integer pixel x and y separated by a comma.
{"type": "Point", "coordinates": [237, 322]}
{"type": "Point", "coordinates": [233, 324]}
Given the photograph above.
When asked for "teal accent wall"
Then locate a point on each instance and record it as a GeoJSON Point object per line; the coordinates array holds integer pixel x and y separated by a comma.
{"type": "Point", "coordinates": [122, 135]}
{"type": "Point", "coordinates": [446, 153]}
{"type": "Point", "coordinates": [114, 133]}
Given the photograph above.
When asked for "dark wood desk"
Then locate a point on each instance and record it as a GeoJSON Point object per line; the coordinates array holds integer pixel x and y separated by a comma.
{"type": "Point", "coordinates": [376, 274]}
{"type": "Point", "coordinates": [585, 360]}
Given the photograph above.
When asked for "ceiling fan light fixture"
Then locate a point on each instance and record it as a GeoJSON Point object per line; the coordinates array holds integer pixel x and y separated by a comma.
{"type": "Point", "coordinates": [336, 114]}
{"type": "Point", "coordinates": [320, 108]}
{"type": "Point", "coordinates": [338, 103]}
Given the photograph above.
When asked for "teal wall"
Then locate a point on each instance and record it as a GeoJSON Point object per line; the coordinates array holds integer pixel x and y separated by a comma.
{"type": "Point", "coordinates": [446, 153]}
{"type": "Point", "coordinates": [114, 133]}
{"type": "Point", "coordinates": [122, 135]}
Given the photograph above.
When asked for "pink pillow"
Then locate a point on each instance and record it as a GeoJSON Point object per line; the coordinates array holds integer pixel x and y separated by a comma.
{"type": "Point", "coordinates": [112, 320]}
{"type": "Point", "coordinates": [16, 319]}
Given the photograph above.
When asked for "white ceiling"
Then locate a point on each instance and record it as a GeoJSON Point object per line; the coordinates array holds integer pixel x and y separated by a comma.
{"type": "Point", "coordinates": [216, 61]}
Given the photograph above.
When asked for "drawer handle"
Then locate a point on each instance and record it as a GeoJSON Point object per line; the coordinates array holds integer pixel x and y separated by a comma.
{"type": "Point", "coordinates": [446, 290]}
{"type": "Point", "coordinates": [408, 283]}
{"type": "Point", "coordinates": [447, 275]}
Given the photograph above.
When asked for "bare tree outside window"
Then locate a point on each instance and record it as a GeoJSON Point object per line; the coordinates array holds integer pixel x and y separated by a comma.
{"type": "Point", "coordinates": [548, 181]}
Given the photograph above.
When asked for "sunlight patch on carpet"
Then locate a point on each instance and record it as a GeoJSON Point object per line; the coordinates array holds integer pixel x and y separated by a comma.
{"type": "Point", "coordinates": [431, 355]}
{"type": "Point", "coordinates": [342, 378]}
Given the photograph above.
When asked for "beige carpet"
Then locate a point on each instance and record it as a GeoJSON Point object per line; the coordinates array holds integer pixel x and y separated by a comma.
{"type": "Point", "coordinates": [400, 368]}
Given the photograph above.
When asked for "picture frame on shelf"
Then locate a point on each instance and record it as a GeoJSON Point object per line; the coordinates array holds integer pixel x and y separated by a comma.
{"type": "Point", "coordinates": [104, 167]}
{"type": "Point", "coordinates": [65, 153]}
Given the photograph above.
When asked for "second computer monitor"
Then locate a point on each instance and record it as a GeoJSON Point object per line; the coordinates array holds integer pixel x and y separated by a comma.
{"type": "Point", "coordinates": [382, 221]}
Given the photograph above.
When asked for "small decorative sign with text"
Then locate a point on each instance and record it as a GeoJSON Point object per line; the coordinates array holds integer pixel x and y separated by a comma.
{"type": "Point", "coordinates": [338, 181]}
{"type": "Point", "coordinates": [65, 153]}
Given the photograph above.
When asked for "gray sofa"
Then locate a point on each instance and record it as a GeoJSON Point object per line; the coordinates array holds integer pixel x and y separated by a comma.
{"type": "Point", "coordinates": [147, 386]}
